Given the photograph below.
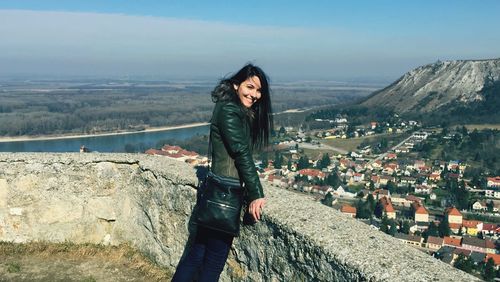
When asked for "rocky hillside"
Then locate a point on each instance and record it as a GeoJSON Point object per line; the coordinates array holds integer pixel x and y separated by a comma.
{"type": "Point", "coordinates": [449, 87]}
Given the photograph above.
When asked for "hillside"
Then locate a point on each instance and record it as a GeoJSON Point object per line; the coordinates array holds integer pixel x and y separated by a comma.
{"type": "Point", "coordinates": [470, 88]}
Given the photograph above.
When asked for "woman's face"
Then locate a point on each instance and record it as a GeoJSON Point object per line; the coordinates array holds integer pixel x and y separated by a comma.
{"type": "Point", "coordinates": [249, 91]}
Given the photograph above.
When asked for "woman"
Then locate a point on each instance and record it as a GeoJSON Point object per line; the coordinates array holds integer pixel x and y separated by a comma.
{"type": "Point", "coordinates": [241, 121]}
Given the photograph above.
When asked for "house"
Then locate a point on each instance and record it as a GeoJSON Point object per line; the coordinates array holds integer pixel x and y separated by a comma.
{"type": "Point", "coordinates": [477, 258]}
{"type": "Point", "coordinates": [493, 182]}
{"type": "Point", "coordinates": [413, 198]}
{"type": "Point", "coordinates": [470, 227]}
{"type": "Point", "coordinates": [388, 208]}
{"type": "Point", "coordinates": [474, 244]}
{"type": "Point", "coordinates": [479, 206]}
{"type": "Point", "coordinates": [459, 251]}
{"type": "Point", "coordinates": [423, 189]}
{"type": "Point", "coordinates": [445, 253]}
{"type": "Point", "coordinates": [452, 241]}
{"type": "Point", "coordinates": [421, 214]}
{"type": "Point", "coordinates": [358, 177]}
{"type": "Point", "coordinates": [349, 210]}
{"type": "Point", "coordinates": [384, 179]}
{"type": "Point", "coordinates": [312, 173]}
{"type": "Point", "coordinates": [435, 177]}
{"type": "Point", "coordinates": [408, 180]}
{"type": "Point", "coordinates": [489, 229]}
{"type": "Point", "coordinates": [492, 193]}
{"type": "Point", "coordinates": [454, 219]}
{"type": "Point", "coordinates": [377, 164]}
{"type": "Point", "coordinates": [490, 246]}
{"type": "Point", "coordinates": [390, 168]}
{"type": "Point", "coordinates": [410, 239]}
{"type": "Point", "coordinates": [496, 259]}
{"type": "Point", "coordinates": [434, 243]}
{"type": "Point", "coordinates": [322, 190]}
{"type": "Point", "coordinates": [379, 193]}
{"type": "Point", "coordinates": [391, 156]}
{"type": "Point", "coordinates": [399, 201]}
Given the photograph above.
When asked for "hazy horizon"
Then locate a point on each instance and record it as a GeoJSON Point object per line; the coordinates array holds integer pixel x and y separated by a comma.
{"type": "Point", "coordinates": [324, 40]}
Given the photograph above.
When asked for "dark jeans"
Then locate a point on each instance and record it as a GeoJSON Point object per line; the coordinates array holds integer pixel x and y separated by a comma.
{"type": "Point", "coordinates": [207, 257]}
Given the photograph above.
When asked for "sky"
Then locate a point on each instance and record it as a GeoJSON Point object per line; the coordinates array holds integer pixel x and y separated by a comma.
{"type": "Point", "coordinates": [290, 40]}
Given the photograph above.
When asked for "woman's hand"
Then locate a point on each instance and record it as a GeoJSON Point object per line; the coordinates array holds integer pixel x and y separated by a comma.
{"type": "Point", "coordinates": [255, 208]}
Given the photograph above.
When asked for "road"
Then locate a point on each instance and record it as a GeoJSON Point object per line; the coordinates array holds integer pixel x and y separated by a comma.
{"type": "Point", "coordinates": [381, 156]}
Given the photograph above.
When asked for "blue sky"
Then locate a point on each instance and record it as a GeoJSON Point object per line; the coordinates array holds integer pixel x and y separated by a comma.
{"type": "Point", "coordinates": [306, 40]}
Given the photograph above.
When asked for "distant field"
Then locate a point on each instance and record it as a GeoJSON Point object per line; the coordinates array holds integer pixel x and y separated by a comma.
{"type": "Point", "coordinates": [35, 108]}
{"type": "Point", "coordinates": [353, 143]}
{"type": "Point", "coordinates": [346, 144]}
{"type": "Point", "coordinates": [482, 126]}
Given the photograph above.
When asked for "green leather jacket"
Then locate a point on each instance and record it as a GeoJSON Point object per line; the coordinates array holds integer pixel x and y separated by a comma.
{"type": "Point", "coordinates": [231, 149]}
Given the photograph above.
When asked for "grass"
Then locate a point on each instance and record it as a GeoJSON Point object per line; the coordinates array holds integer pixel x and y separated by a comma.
{"type": "Point", "coordinates": [134, 259]}
{"type": "Point", "coordinates": [13, 267]}
{"type": "Point", "coordinates": [346, 144]}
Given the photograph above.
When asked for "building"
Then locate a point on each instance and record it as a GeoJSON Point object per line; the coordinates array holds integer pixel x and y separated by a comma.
{"type": "Point", "coordinates": [388, 208]}
{"type": "Point", "coordinates": [410, 239]}
{"type": "Point", "coordinates": [434, 243]}
{"type": "Point", "coordinates": [454, 219]}
{"type": "Point", "coordinates": [493, 182]}
{"type": "Point", "coordinates": [421, 213]}
{"type": "Point", "coordinates": [492, 194]}
{"type": "Point", "coordinates": [470, 227]}
{"type": "Point", "coordinates": [312, 173]}
{"type": "Point", "coordinates": [452, 241]}
{"type": "Point", "coordinates": [349, 210]}
{"type": "Point", "coordinates": [474, 244]}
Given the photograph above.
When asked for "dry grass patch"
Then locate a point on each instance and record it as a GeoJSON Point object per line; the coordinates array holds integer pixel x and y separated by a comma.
{"type": "Point", "coordinates": [121, 255]}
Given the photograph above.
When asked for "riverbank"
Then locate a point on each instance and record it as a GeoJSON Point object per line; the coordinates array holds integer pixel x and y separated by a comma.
{"type": "Point", "coordinates": [68, 136]}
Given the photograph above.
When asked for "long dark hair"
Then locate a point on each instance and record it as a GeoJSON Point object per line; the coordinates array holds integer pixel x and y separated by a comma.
{"type": "Point", "coordinates": [261, 112]}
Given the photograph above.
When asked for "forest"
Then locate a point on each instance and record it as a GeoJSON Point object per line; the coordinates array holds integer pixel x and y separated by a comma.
{"type": "Point", "coordinates": [53, 107]}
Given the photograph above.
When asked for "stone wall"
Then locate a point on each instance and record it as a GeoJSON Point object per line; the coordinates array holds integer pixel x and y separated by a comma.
{"type": "Point", "coordinates": [146, 201]}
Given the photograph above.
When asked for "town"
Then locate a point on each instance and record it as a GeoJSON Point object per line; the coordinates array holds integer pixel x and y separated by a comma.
{"type": "Point", "coordinates": [394, 177]}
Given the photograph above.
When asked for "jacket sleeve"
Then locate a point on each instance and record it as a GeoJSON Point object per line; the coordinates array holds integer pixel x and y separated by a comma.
{"type": "Point", "coordinates": [232, 129]}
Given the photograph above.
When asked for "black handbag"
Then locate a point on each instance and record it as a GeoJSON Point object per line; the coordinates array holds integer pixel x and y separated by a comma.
{"type": "Point", "coordinates": [220, 202]}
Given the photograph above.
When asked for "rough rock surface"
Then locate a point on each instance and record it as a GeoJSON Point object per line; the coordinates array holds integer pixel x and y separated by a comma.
{"type": "Point", "coordinates": [147, 201]}
{"type": "Point", "coordinates": [430, 87]}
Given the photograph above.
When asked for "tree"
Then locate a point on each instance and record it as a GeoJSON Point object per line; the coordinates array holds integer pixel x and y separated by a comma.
{"type": "Point", "coordinates": [489, 270]}
{"type": "Point", "coordinates": [362, 210]}
{"type": "Point", "coordinates": [384, 223]}
{"type": "Point", "coordinates": [444, 228]}
{"type": "Point", "coordinates": [490, 205]}
{"type": "Point", "coordinates": [405, 227]}
{"type": "Point", "coordinates": [393, 229]}
{"type": "Point", "coordinates": [332, 179]}
{"type": "Point", "coordinates": [282, 131]}
{"type": "Point", "coordinates": [379, 209]}
{"type": "Point", "coordinates": [432, 230]}
{"type": "Point", "coordinates": [324, 162]}
{"type": "Point", "coordinates": [303, 162]}
{"type": "Point", "coordinates": [371, 203]}
{"type": "Point", "coordinates": [391, 186]}
{"type": "Point", "coordinates": [278, 160]}
{"type": "Point", "coordinates": [464, 263]}
{"type": "Point", "coordinates": [328, 199]}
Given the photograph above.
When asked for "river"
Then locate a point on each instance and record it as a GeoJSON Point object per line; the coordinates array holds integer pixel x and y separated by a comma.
{"type": "Point", "coordinates": [108, 143]}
